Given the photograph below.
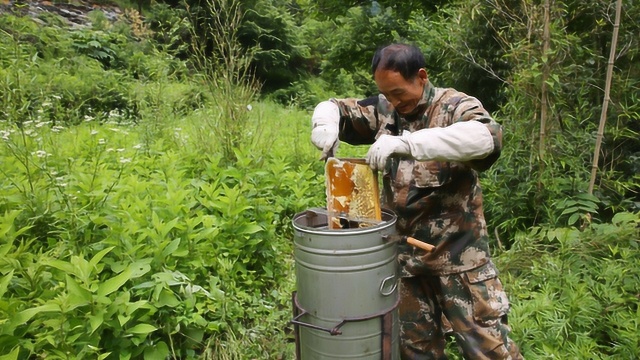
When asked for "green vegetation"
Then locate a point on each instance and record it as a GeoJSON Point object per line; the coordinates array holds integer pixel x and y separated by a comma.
{"type": "Point", "coordinates": [150, 168]}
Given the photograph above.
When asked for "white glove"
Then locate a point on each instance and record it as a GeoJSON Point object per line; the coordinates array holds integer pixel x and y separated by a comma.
{"type": "Point", "coordinates": [385, 146]}
{"type": "Point", "coordinates": [325, 121]}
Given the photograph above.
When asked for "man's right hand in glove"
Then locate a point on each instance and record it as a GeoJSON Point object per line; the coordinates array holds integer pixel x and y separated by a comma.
{"type": "Point", "coordinates": [324, 134]}
{"type": "Point", "coordinates": [386, 146]}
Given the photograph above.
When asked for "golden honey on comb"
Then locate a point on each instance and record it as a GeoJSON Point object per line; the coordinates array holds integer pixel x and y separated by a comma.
{"type": "Point", "coordinates": [352, 191]}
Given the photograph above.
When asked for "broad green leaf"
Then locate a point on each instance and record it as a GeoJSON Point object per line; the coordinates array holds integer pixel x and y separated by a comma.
{"type": "Point", "coordinates": [159, 351]}
{"type": "Point", "coordinates": [122, 319]}
{"type": "Point", "coordinates": [171, 248]}
{"type": "Point", "coordinates": [573, 219]}
{"type": "Point", "coordinates": [97, 257]}
{"type": "Point", "coordinates": [587, 203]}
{"type": "Point", "coordinates": [4, 249]}
{"type": "Point", "coordinates": [588, 197]}
{"type": "Point", "coordinates": [25, 315]}
{"type": "Point", "coordinates": [78, 296]}
{"type": "Point", "coordinates": [81, 268]}
{"type": "Point", "coordinates": [624, 217]}
{"type": "Point", "coordinates": [139, 268]}
{"type": "Point", "coordinates": [570, 210]}
{"type": "Point", "coordinates": [95, 321]}
{"type": "Point", "coordinates": [144, 285]}
{"type": "Point", "coordinates": [142, 329]}
{"type": "Point", "coordinates": [140, 304]}
{"type": "Point", "coordinates": [114, 283]}
{"type": "Point", "coordinates": [4, 283]}
{"type": "Point", "coordinates": [250, 229]}
{"type": "Point", "coordinates": [167, 298]}
{"type": "Point", "coordinates": [13, 355]}
{"type": "Point", "coordinates": [63, 266]}
{"type": "Point", "coordinates": [567, 203]}
{"type": "Point", "coordinates": [181, 252]}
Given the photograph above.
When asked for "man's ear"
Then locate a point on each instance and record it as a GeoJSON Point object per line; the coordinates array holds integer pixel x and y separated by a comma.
{"type": "Point", "coordinates": [422, 74]}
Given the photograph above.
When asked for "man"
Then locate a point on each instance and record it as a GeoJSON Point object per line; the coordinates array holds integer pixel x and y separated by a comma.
{"type": "Point", "coordinates": [430, 142]}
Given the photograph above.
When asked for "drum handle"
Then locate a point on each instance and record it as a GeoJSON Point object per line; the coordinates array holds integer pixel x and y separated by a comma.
{"type": "Point", "coordinates": [383, 283]}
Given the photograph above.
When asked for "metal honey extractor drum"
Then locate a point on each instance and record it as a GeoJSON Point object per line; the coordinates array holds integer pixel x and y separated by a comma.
{"type": "Point", "coordinates": [345, 306]}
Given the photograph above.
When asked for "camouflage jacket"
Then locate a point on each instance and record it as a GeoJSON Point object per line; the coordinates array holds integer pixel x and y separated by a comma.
{"type": "Point", "coordinates": [436, 202]}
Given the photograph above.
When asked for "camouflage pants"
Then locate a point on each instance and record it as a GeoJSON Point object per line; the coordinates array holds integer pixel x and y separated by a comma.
{"type": "Point", "coordinates": [472, 304]}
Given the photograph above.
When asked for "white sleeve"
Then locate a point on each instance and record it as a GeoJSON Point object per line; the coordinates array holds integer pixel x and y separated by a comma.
{"type": "Point", "coordinates": [462, 141]}
{"type": "Point", "coordinates": [326, 113]}
{"type": "Point", "coordinates": [325, 121]}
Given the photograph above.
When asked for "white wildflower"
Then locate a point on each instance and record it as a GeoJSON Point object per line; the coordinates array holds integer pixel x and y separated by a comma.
{"type": "Point", "coordinates": [124, 160]}
{"type": "Point", "coordinates": [94, 132]}
{"type": "Point", "coordinates": [88, 118]}
{"type": "Point", "coordinates": [4, 134]}
{"type": "Point", "coordinates": [102, 141]}
{"type": "Point", "coordinates": [110, 150]}
{"type": "Point", "coordinates": [57, 97]}
{"type": "Point", "coordinates": [46, 104]}
{"type": "Point", "coordinates": [249, 107]}
{"type": "Point", "coordinates": [120, 150]}
{"type": "Point", "coordinates": [40, 153]}
{"type": "Point", "coordinates": [27, 123]}
{"type": "Point", "coordinates": [57, 128]}
{"type": "Point", "coordinates": [42, 123]}
{"type": "Point", "coordinates": [137, 147]}
{"type": "Point", "coordinates": [114, 129]}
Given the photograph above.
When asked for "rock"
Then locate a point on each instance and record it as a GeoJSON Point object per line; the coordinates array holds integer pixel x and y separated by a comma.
{"type": "Point", "coordinates": [75, 14]}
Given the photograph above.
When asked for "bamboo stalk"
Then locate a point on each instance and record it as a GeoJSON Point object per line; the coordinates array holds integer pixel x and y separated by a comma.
{"type": "Point", "coordinates": [544, 97]}
{"type": "Point", "coordinates": [605, 102]}
{"type": "Point", "coordinates": [546, 39]}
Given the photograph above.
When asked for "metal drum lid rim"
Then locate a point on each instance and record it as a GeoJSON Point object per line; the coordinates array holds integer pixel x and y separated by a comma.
{"type": "Point", "coordinates": [388, 219]}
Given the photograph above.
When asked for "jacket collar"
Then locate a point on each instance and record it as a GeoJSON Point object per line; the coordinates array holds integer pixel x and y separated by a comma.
{"type": "Point", "coordinates": [428, 94]}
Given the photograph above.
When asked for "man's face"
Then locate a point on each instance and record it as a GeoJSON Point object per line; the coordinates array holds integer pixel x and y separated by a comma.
{"type": "Point", "coordinates": [403, 94]}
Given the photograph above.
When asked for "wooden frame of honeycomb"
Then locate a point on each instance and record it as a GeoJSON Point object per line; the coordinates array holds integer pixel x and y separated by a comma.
{"type": "Point", "coordinates": [352, 193]}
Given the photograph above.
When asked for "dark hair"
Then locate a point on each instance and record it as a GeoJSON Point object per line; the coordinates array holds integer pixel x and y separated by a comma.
{"type": "Point", "coordinates": [402, 58]}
